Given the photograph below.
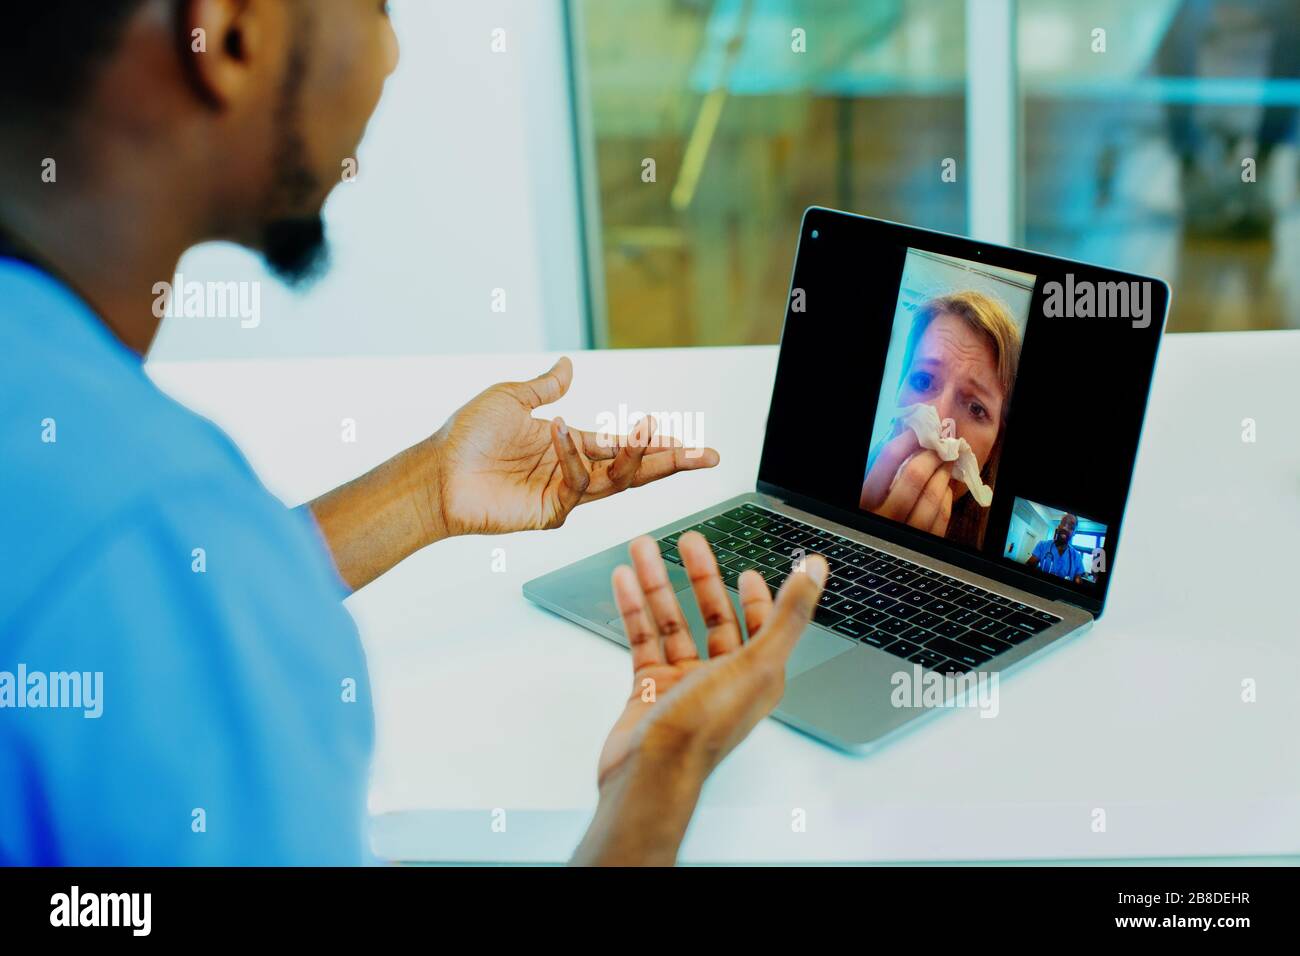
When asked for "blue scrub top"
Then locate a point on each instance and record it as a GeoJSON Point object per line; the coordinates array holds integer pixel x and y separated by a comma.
{"type": "Point", "coordinates": [1051, 561]}
{"type": "Point", "coordinates": [223, 711]}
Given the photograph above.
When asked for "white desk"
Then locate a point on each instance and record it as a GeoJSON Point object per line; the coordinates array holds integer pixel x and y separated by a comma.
{"type": "Point", "coordinates": [483, 701]}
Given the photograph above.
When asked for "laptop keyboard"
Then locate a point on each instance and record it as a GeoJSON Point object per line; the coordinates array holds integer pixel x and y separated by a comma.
{"type": "Point", "coordinates": [915, 613]}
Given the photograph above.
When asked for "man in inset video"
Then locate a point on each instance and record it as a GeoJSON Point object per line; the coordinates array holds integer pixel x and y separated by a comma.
{"type": "Point", "coordinates": [1057, 557]}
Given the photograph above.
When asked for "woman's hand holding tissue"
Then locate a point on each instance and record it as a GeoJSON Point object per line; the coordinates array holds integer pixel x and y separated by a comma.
{"type": "Point", "coordinates": [922, 495]}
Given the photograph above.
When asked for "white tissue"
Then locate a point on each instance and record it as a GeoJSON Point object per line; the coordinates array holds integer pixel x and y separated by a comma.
{"type": "Point", "coordinates": [940, 438]}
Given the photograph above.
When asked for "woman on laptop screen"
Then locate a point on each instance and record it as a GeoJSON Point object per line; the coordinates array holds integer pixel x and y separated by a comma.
{"type": "Point", "coordinates": [939, 425]}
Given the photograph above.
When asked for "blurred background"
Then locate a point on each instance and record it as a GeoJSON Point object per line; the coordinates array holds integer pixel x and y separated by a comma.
{"type": "Point", "coordinates": [1158, 137]}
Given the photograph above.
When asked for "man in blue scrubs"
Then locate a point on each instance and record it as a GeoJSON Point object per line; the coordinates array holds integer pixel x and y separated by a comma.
{"type": "Point", "coordinates": [1057, 557]}
{"type": "Point", "coordinates": [221, 712]}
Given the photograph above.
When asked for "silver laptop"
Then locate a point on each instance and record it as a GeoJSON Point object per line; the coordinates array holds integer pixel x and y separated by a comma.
{"type": "Point", "coordinates": [954, 425]}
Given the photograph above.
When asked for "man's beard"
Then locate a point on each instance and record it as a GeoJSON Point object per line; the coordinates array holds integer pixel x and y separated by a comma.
{"type": "Point", "coordinates": [296, 250]}
{"type": "Point", "coordinates": [294, 247]}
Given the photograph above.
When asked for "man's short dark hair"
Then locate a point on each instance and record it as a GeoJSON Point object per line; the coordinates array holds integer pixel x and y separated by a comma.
{"type": "Point", "coordinates": [49, 52]}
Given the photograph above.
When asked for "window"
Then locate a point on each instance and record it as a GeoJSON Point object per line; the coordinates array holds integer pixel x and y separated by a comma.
{"type": "Point", "coordinates": [710, 125]}
{"type": "Point", "coordinates": [1158, 137]}
{"type": "Point", "coordinates": [1161, 137]}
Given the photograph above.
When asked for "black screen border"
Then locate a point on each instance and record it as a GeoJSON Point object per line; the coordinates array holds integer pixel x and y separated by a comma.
{"type": "Point", "coordinates": [879, 232]}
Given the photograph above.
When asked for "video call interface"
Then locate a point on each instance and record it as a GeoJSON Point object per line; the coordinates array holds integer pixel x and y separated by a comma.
{"type": "Point", "coordinates": [958, 398]}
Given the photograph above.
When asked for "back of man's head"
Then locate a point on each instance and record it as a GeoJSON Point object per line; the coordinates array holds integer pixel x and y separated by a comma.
{"type": "Point", "coordinates": [50, 51]}
{"type": "Point", "coordinates": [218, 119]}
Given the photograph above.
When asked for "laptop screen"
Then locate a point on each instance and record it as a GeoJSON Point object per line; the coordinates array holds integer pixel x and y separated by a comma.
{"type": "Point", "coordinates": [977, 403]}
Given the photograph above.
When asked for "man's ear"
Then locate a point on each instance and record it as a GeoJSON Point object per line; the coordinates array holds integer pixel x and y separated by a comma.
{"type": "Point", "coordinates": [221, 40]}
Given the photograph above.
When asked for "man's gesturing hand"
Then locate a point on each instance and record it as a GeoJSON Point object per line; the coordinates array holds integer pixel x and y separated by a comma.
{"type": "Point", "coordinates": [492, 468]}
{"type": "Point", "coordinates": [499, 469]}
{"type": "Point", "coordinates": [685, 714]}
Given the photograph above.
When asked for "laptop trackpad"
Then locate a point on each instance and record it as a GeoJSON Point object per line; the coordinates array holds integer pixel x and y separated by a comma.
{"type": "Point", "coordinates": [814, 648]}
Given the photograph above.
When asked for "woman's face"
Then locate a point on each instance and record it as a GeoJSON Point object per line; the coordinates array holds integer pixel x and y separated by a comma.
{"type": "Point", "coordinates": [954, 369]}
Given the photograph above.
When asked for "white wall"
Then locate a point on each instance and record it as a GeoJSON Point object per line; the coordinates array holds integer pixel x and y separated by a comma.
{"type": "Point", "coordinates": [467, 184]}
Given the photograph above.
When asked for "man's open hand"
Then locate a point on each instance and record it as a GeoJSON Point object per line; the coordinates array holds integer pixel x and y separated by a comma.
{"type": "Point", "coordinates": [500, 469]}
{"type": "Point", "coordinates": [685, 714]}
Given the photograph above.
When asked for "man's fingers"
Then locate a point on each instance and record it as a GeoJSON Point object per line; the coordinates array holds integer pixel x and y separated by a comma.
{"type": "Point", "coordinates": [642, 637]}
{"type": "Point", "coordinates": [603, 446]}
{"type": "Point", "coordinates": [652, 468]}
{"type": "Point", "coordinates": [755, 601]}
{"type": "Point", "coordinates": [652, 574]}
{"type": "Point", "coordinates": [896, 451]}
{"type": "Point", "coordinates": [624, 467]}
{"type": "Point", "coordinates": [576, 477]}
{"type": "Point", "coordinates": [710, 593]}
{"type": "Point", "coordinates": [548, 387]}
{"type": "Point", "coordinates": [793, 608]}
{"type": "Point", "coordinates": [682, 459]}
